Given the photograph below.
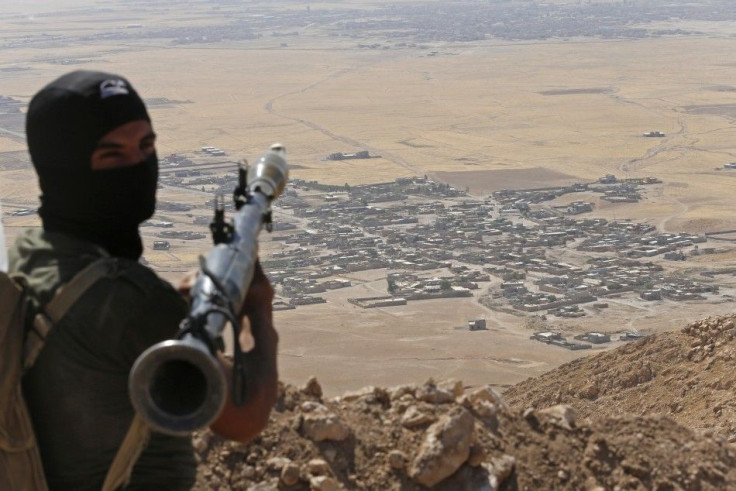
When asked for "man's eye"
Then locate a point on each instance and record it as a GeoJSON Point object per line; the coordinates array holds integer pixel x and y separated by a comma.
{"type": "Point", "coordinates": [107, 155]}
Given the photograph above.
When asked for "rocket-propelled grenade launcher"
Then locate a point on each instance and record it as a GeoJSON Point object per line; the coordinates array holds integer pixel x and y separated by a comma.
{"type": "Point", "coordinates": [178, 385]}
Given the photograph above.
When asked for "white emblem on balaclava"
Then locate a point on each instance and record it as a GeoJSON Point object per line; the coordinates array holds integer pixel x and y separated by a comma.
{"type": "Point", "coordinates": [110, 88]}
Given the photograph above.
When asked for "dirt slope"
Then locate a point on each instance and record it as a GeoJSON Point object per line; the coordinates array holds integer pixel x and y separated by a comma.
{"type": "Point", "coordinates": [641, 411]}
{"type": "Point", "coordinates": [689, 376]}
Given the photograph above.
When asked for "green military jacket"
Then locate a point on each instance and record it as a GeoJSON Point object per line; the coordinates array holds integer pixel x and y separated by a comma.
{"type": "Point", "coordinates": [77, 391]}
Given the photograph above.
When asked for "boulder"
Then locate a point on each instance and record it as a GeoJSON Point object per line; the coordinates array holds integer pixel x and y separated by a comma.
{"type": "Point", "coordinates": [290, 474]}
{"type": "Point", "coordinates": [277, 463]}
{"type": "Point", "coordinates": [399, 391]}
{"type": "Point", "coordinates": [499, 469]}
{"type": "Point", "coordinates": [312, 407]}
{"type": "Point", "coordinates": [357, 394]}
{"type": "Point", "coordinates": [324, 483]}
{"type": "Point", "coordinates": [368, 394]}
{"type": "Point", "coordinates": [318, 467]}
{"type": "Point", "coordinates": [435, 395]}
{"type": "Point", "coordinates": [452, 385]}
{"type": "Point", "coordinates": [445, 448]}
{"type": "Point", "coordinates": [487, 393]}
{"type": "Point", "coordinates": [560, 415]}
{"type": "Point", "coordinates": [413, 417]}
{"type": "Point", "coordinates": [324, 426]}
{"type": "Point", "coordinates": [313, 388]}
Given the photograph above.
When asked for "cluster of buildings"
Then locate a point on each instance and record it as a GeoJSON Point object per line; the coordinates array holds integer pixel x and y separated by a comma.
{"type": "Point", "coordinates": [398, 227]}
{"type": "Point", "coordinates": [436, 241]}
{"type": "Point", "coordinates": [562, 288]}
{"type": "Point", "coordinates": [400, 24]}
{"type": "Point", "coordinates": [457, 22]}
{"type": "Point", "coordinates": [590, 338]}
{"type": "Point", "coordinates": [514, 202]}
{"type": "Point", "coordinates": [174, 160]}
{"type": "Point", "coordinates": [557, 339]}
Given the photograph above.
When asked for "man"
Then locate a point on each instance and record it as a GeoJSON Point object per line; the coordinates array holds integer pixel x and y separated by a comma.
{"type": "Point", "coordinates": [93, 148]}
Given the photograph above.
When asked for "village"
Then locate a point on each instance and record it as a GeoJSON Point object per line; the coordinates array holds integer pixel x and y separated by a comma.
{"type": "Point", "coordinates": [435, 241]}
{"type": "Point", "coordinates": [523, 252]}
{"type": "Point", "coordinates": [400, 26]}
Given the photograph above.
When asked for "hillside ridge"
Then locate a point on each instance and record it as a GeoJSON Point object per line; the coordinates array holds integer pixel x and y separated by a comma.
{"type": "Point", "coordinates": [657, 413]}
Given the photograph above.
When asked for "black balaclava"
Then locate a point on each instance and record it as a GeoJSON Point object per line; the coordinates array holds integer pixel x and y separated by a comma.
{"type": "Point", "coordinates": [65, 121]}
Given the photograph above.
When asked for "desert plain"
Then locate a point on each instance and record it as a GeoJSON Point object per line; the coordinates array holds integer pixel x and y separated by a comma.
{"type": "Point", "coordinates": [479, 114]}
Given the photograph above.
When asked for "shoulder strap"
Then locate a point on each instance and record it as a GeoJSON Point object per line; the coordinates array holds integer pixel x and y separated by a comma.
{"type": "Point", "coordinates": [65, 297]}
{"type": "Point", "coordinates": [138, 433]}
{"type": "Point", "coordinates": [133, 444]}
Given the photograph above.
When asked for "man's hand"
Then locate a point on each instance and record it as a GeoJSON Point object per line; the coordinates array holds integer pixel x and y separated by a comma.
{"type": "Point", "coordinates": [186, 284]}
{"type": "Point", "coordinates": [259, 340]}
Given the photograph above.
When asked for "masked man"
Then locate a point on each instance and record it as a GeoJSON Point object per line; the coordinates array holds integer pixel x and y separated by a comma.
{"type": "Point", "coordinates": [93, 148]}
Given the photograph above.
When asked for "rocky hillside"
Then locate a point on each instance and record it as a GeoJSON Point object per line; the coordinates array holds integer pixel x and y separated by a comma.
{"type": "Point", "coordinates": [654, 414]}
{"type": "Point", "coordinates": [688, 376]}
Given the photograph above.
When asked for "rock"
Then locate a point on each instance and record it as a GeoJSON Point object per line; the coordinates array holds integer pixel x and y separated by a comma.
{"type": "Point", "coordinates": [477, 455]}
{"type": "Point", "coordinates": [382, 396]}
{"type": "Point", "coordinates": [399, 407]}
{"type": "Point", "coordinates": [435, 395]}
{"type": "Point", "coordinates": [398, 392]}
{"type": "Point", "coordinates": [561, 415]}
{"type": "Point", "coordinates": [408, 398]}
{"type": "Point", "coordinates": [313, 407]}
{"type": "Point", "coordinates": [277, 463]}
{"type": "Point", "coordinates": [319, 427]}
{"type": "Point", "coordinates": [318, 467]}
{"type": "Point", "coordinates": [313, 388]}
{"type": "Point", "coordinates": [528, 414]}
{"type": "Point", "coordinates": [357, 394]}
{"type": "Point", "coordinates": [367, 393]}
{"type": "Point", "coordinates": [202, 442]}
{"type": "Point", "coordinates": [290, 474]}
{"type": "Point", "coordinates": [324, 483]}
{"type": "Point", "coordinates": [590, 391]}
{"type": "Point", "coordinates": [288, 397]}
{"type": "Point", "coordinates": [445, 448]}
{"type": "Point", "coordinates": [396, 459]}
{"type": "Point", "coordinates": [452, 385]}
{"type": "Point", "coordinates": [487, 393]}
{"type": "Point", "coordinates": [486, 410]}
{"type": "Point", "coordinates": [413, 417]}
{"type": "Point", "coordinates": [272, 485]}
{"type": "Point", "coordinates": [499, 470]}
